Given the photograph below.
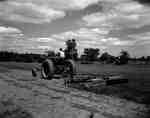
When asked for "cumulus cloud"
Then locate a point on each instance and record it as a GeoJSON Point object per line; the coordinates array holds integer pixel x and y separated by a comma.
{"type": "Point", "coordinates": [39, 11]}
{"type": "Point", "coordinates": [41, 39]}
{"type": "Point", "coordinates": [121, 14]}
{"type": "Point", "coordinates": [141, 38]}
{"type": "Point", "coordinates": [143, 1]}
{"type": "Point", "coordinates": [2, 0]}
{"type": "Point", "coordinates": [44, 47]}
{"type": "Point", "coordinates": [114, 41]}
{"type": "Point", "coordinates": [85, 37]}
{"type": "Point", "coordinates": [83, 33]}
{"type": "Point", "coordinates": [63, 4]}
{"type": "Point", "coordinates": [44, 43]}
{"type": "Point", "coordinates": [93, 37]}
{"type": "Point", "coordinates": [123, 19]}
{"type": "Point", "coordinates": [34, 44]}
{"type": "Point", "coordinates": [28, 12]}
{"type": "Point", "coordinates": [9, 36]}
{"type": "Point", "coordinates": [4, 29]}
{"type": "Point", "coordinates": [111, 26]}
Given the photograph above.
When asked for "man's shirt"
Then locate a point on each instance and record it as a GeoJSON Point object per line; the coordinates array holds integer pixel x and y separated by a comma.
{"type": "Point", "coordinates": [62, 54]}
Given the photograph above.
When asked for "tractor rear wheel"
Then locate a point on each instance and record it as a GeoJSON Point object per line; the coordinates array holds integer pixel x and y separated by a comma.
{"type": "Point", "coordinates": [47, 69]}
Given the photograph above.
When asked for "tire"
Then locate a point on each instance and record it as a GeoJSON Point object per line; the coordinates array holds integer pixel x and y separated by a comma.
{"type": "Point", "coordinates": [71, 67]}
{"type": "Point", "coordinates": [47, 69]}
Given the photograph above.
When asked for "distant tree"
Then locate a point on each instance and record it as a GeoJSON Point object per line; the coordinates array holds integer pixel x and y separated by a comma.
{"type": "Point", "coordinates": [106, 57]}
{"type": "Point", "coordinates": [20, 57]}
{"type": "Point", "coordinates": [91, 54]}
{"type": "Point", "coordinates": [142, 58]}
{"type": "Point", "coordinates": [124, 57]}
{"type": "Point", "coordinates": [148, 58]}
{"type": "Point", "coordinates": [50, 53]}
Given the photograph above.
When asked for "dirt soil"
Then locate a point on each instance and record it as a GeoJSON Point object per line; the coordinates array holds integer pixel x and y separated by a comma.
{"type": "Point", "coordinates": [51, 99]}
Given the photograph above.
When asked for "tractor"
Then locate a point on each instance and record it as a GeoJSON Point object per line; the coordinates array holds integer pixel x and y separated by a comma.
{"type": "Point", "coordinates": [56, 66]}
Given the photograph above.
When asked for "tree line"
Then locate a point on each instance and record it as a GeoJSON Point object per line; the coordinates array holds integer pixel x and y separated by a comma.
{"type": "Point", "coordinates": [20, 57]}
{"type": "Point", "coordinates": [89, 55]}
{"type": "Point", "coordinates": [93, 54]}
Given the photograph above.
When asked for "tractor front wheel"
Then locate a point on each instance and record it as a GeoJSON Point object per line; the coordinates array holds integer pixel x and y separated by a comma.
{"type": "Point", "coordinates": [47, 69]}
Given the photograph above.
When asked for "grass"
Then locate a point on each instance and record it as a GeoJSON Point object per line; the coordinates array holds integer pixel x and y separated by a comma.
{"type": "Point", "coordinates": [137, 89]}
{"type": "Point", "coordinates": [18, 65]}
{"type": "Point", "coordinates": [8, 109]}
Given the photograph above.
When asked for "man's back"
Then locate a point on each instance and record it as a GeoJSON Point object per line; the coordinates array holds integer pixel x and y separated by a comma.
{"type": "Point", "coordinates": [61, 54]}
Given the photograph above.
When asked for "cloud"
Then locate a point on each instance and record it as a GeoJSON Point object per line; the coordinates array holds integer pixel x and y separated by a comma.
{"type": "Point", "coordinates": [121, 15]}
{"type": "Point", "coordinates": [2, 0]}
{"type": "Point", "coordinates": [141, 38]}
{"type": "Point", "coordinates": [7, 30]}
{"type": "Point", "coordinates": [109, 27]}
{"type": "Point", "coordinates": [35, 45]}
{"type": "Point", "coordinates": [123, 19]}
{"type": "Point", "coordinates": [63, 4]}
{"type": "Point", "coordinates": [82, 34]}
{"type": "Point", "coordinates": [96, 38]}
{"type": "Point", "coordinates": [143, 1]}
{"type": "Point", "coordinates": [45, 43]}
{"type": "Point", "coordinates": [123, 43]}
{"type": "Point", "coordinates": [28, 12]}
{"type": "Point", "coordinates": [86, 37]}
{"type": "Point", "coordinates": [44, 47]}
{"type": "Point", "coordinates": [41, 39]}
{"type": "Point", "coordinates": [93, 37]}
{"type": "Point", "coordinates": [39, 11]}
{"type": "Point", "coordinates": [9, 38]}
{"type": "Point", "coordinates": [115, 41]}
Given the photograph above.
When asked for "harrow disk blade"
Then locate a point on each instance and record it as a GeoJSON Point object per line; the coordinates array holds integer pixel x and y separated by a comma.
{"type": "Point", "coordinates": [116, 81]}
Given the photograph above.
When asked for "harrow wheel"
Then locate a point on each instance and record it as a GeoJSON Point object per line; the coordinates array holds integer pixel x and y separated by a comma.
{"type": "Point", "coordinates": [34, 73]}
{"type": "Point", "coordinates": [47, 69]}
{"type": "Point", "coordinates": [71, 68]}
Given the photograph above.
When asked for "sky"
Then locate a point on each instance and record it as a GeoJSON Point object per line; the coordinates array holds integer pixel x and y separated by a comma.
{"type": "Point", "coordinates": [110, 25]}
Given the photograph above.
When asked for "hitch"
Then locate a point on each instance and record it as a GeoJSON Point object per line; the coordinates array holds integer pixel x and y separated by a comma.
{"type": "Point", "coordinates": [95, 80]}
{"type": "Point", "coordinates": [116, 81]}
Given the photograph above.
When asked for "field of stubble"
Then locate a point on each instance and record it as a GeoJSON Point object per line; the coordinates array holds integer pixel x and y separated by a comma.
{"type": "Point", "coordinates": [50, 99]}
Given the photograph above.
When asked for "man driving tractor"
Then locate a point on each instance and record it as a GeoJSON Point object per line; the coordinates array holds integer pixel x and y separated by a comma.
{"type": "Point", "coordinates": [61, 65]}
{"type": "Point", "coordinates": [70, 52]}
{"type": "Point", "coordinates": [61, 53]}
